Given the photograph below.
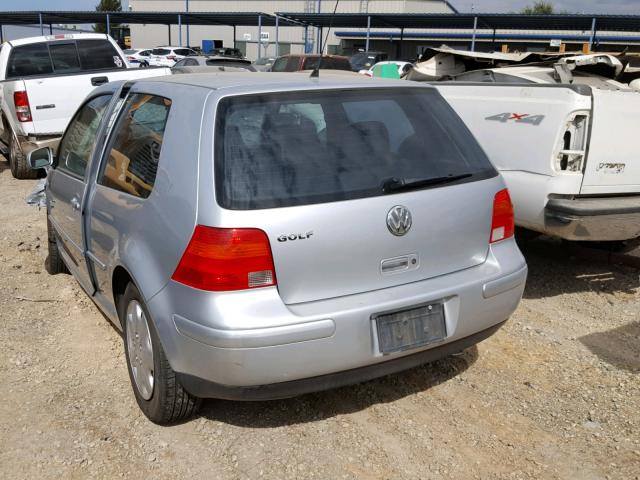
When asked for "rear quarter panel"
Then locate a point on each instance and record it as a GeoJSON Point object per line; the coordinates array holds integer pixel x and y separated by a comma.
{"type": "Point", "coordinates": [147, 236]}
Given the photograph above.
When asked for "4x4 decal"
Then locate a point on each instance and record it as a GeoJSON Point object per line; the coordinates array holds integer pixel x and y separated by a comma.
{"type": "Point", "coordinates": [517, 117]}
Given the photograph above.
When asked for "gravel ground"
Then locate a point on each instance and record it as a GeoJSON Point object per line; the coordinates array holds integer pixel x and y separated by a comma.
{"type": "Point", "coordinates": [554, 394]}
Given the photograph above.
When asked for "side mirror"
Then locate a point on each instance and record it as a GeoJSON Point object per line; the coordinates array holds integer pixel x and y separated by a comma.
{"type": "Point", "coordinates": [40, 158]}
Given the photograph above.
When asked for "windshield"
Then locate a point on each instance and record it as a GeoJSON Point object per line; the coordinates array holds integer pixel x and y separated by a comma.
{"type": "Point", "coordinates": [285, 149]}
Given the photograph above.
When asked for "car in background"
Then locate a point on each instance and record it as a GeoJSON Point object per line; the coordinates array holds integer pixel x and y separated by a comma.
{"type": "Point", "coordinates": [227, 52]}
{"type": "Point", "coordinates": [202, 63]}
{"type": "Point", "coordinates": [268, 235]}
{"type": "Point", "coordinates": [263, 64]}
{"type": "Point", "coordinates": [388, 69]}
{"type": "Point", "coordinates": [137, 57]}
{"type": "Point", "coordinates": [168, 56]}
{"type": "Point", "coordinates": [365, 60]}
{"type": "Point", "coordinates": [296, 63]}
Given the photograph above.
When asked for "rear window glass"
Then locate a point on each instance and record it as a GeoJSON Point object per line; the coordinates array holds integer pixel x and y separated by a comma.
{"type": "Point", "coordinates": [328, 63]}
{"type": "Point", "coordinates": [286, 149]}
{"type": "Point", "coordinates": [29, 60]}
{"type": "Point", "coordinates": [64, 57]}
{"type": "Point", "coordinates": [98, 55]}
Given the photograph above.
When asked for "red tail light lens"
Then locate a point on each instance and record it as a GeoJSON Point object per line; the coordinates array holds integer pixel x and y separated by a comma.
{"type": "Point", "coordinates": [21, 101]}
{"type": "Point", "coordinates": [171, 57]}
{"type": "Point", "coordinates": [223, 259]}
{"type": "Point", "coordinates": [502, 225]}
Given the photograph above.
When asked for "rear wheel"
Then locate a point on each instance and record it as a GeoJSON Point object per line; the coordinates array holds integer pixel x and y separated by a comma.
{"type": "Point", "coordinates": [54, 262]}
{"type": "Point", "coordinates": [157, 389]}
{"type": "Point", "coordinates": [18, 161]}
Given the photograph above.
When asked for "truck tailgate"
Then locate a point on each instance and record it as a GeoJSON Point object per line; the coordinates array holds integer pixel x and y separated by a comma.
{"type": "Point", "coordinates": [55, 99]}
{"type": "Point", "coordinates": [613, 160]}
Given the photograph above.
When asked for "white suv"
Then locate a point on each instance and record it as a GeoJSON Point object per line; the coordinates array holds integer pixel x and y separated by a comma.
{"type": "Point", "coordinates": [168, 56]}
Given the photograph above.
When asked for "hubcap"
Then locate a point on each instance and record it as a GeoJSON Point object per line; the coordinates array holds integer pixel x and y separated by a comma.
{"type": "Point", "coordinates": [140, 349]}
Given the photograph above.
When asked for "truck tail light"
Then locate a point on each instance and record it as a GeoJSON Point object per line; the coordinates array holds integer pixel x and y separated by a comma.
{"type": "Point", "coordinates": [223, 259]}
{"type": "Point", "coordinates": [502, 224]}
{"type": "Point", "coordinates": [21, 101]}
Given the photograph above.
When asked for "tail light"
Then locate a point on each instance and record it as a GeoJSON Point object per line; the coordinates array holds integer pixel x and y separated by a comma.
{"type": "Point", "coordinates": [131, 58]}
{"type": "Point", "coordinates": [223, 259]}
{"type": "Point", "coordinates": [171, 57]}
{"type": "Point", "coordinates": [502, 224]}
{"type": "Point", "coordinates": [21, 101]}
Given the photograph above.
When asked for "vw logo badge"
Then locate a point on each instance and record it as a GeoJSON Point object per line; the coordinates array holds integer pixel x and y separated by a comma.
{"type": "Point", "coordinates": [399, 220]}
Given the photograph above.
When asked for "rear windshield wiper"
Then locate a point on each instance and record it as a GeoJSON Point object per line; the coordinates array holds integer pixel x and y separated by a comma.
{"type": "Point", "coordinates": [405, 184]}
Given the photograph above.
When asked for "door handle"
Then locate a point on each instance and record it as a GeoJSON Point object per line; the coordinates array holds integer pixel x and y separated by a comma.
{"type": "Point", "coordinates": [75, 203]}
{"type": "Point", "coordinates": [95, 81]}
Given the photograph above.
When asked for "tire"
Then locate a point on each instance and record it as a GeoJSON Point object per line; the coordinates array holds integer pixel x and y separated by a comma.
{"type": "Point", "coordinates": [158, 391]}
{"type": "Point", "coordinates": [54, 262]}
{"type": "Point", "coordinates": [18, 161]}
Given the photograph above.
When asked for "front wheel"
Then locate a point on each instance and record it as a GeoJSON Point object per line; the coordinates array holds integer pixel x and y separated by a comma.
{"type": "Point", "coordinates": [158, 391]}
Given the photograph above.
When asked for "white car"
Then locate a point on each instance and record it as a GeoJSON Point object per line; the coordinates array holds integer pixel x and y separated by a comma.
{"type": "Point", "coordinates": [376, 70]}
{"type": "Point", "coordinates": [168, 56]}
{"type": "Point", "coordinates": [138, 57]}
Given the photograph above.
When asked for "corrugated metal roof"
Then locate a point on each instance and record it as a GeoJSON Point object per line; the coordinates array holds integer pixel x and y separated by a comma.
{"type": "Point", "coordinates": [618, 23]}
{"type": "Point", "coordinates": [162, 18]}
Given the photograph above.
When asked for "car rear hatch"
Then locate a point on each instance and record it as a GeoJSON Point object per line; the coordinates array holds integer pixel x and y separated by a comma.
{"type": "Point", "coordinates": [612, 157]}
{"type": "Point", "coordinates": [343, 185]}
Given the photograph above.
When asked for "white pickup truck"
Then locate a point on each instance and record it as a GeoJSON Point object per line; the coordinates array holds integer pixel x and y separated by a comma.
{"type": "Point", "coordinates": [43, 81]}
{"type": "Point", "coordinates": [569, 153]}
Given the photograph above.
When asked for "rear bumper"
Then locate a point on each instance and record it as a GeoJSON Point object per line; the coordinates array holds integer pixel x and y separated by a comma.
{"type": "Point", "coordinates": [237, 344]}
{"type": "Point", "coordinates": [594, 219]}
{"type": "Point", "coordinates": [206, 389]}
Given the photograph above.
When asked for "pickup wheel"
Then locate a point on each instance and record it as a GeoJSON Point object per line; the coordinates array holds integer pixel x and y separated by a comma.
{"type": "Point", "coordinates": [54, 262]}
{"type": "Point", "coordinates": [157, 389]}
{"type": "Point", "coordinates": [18, 161]}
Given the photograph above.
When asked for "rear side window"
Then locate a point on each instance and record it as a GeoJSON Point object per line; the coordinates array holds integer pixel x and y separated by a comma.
{"type": "Point", "coordinates": [286, 64]}
{"type": "Point", "coordinates": [133, 154]}
{"type": "Point", "coordinates": [29, 60]}
{"type": "Point", "coordinates": [160, 51]}
{"type": "Point", "coordinates": [286, 149]}
{"type": "Point", "coordinates": [98, 55]}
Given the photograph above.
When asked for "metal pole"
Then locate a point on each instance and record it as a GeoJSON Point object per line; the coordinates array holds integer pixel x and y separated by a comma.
{"type": "Point", "coordinates": [188, 43]}
{"type": "Point", "coordinates": [1, 33]}
{"type": "Point", "coordinates": [473, 38]}
{"type": "Point", "coordinates": [593, 33]}
{"type": "Point", "coordinates": [259, 36]}
{"type": "Point", "coordinates": [169, 32]}
{"type": "Point", "coordinates": [50, 29]}
{"type": "Point", "coordinates": [41, 26]}
{"type": "Point", "coordinates": [319, 30]}
{"type": "Point", "coordinates": [108, 25]}
{"type": "Point", "coordinates": [306, 39]}
{"type": "Point", "coordinates": [234, 36]}
{"type": "Point", "coordinates": [180, 30]}
{"type": "Point", "coordinates": [366, 48]}
{"type": "Point", "coordinates": [319, 42]}
{"type": "Point", "coordinates": [277, 38]}
{"type": "Point", "coordinates": [399, 51]}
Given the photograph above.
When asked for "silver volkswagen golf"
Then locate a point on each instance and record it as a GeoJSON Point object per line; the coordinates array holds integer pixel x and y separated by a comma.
{"type": "Point", "coordinates": [259, 236]}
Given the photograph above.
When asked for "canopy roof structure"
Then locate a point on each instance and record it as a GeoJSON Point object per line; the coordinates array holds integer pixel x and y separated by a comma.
{"type": "Point", "coordinates": [497, 21]}
{"type": "Point", "coordinates": [160, 18]}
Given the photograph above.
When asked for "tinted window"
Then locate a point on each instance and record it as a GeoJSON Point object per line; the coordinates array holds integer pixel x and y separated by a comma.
{"type": "Point", "coordinates": [29, 60]}
{"type": "Point", "coordinates": [80, 137]}
{"type": "Point", "coordinates": [160, 51]}
{"type": "Point", "coordinates": [328, 63]}
{"type": "Point", "coordinates": [129, 51]}
{"type": "Point", "coordinates": [145, 53]}
{"type": "Point", "coordinates": [183, 51]}
{"type": "Point", "coordinates": [64, 57]}
{"type": "Point", "coordinates": [190, 62]}
{"type": "Point", "coordinates": [98, 55]}
{"type": "Point", "coordinates": [286, 64]}
{"type": "Point", "coordinates": [276, 150]}
{"type": "Point", "coordinates": [133, 154]}
{"type": "Point", "coordinates": [181, 63]}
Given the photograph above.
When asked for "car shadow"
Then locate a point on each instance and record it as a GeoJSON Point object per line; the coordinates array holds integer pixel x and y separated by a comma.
{"type": "Point", "coordinates": [323, 405]}
{"type": "Point", "coordinates": [617, 347]}
{"type": "Point", "coordinates": [4, 164]}
{"type": "Point", "coordinates": [554, 269]}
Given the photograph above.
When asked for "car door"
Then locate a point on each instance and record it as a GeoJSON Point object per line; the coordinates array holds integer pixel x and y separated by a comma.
{"type": "Point", "coordinates": [66, 185]}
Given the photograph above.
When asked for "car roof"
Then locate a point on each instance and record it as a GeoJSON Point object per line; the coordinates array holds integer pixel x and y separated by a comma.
{"type": "Point", "coordinates": [272, 81]}
{"type": "Point", "coordinates": [53, 38]}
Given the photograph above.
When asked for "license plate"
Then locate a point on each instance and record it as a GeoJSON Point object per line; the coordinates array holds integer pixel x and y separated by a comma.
{"type": "Point", "coordinates": [410, 328]}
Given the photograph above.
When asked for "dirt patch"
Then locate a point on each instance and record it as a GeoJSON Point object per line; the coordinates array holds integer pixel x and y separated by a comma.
{"type": "Point", "coordinates": [554, 394]}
